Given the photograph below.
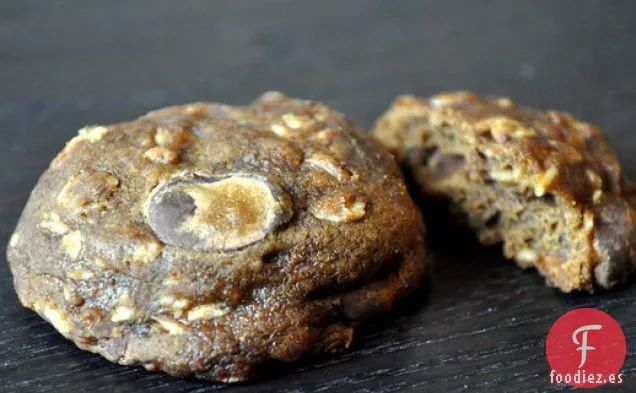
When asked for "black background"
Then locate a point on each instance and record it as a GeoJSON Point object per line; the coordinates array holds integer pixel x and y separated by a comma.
{"type": "Point", "coordinates": [65, 64]}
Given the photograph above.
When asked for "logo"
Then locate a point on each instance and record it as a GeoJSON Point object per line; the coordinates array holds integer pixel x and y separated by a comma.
{"type": "Point", "coordinates": [586, 348]}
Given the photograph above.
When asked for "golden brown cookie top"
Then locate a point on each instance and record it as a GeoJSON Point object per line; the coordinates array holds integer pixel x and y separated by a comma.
{"type": "Point", "coordinates": [220, 185]}
{"type": "Point", "coordinates": [530, 155]}
{"type": "Point", "coordinates": [552, 151]}
{"type": "Point", "coordinates": [264, 226]}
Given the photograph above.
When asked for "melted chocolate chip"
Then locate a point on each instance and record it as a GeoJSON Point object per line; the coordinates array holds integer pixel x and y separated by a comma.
{"type": "Point", "coordinates": [168, 213]}
{"type": "Point", "coordinates": [447, 165]}
{"type": "Point", "coordinates": [217, 213]}
{"type": "Point", "coordinates": [613, 241]}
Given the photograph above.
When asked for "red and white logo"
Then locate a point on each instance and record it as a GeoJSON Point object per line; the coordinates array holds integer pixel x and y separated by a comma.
{"type": "Point", "coordinates": [586, 348]}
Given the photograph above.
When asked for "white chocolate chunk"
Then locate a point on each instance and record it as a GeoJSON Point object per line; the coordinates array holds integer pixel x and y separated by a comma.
{"type": "Point", "coordinates": [15, 239]}
{"type": "Point", "coordinates": [281, 130]}
{"type": "Point", "coordinates": [546, 181]}
{"type": "Point", "coordinates": [72, 244]}
{"type": "Point", "coordinates": [170, 325]}
{"type": "Point", "coordinates": [451, 98]}
{"type": "Point", "coordinates": [337, 208]}
{"type": "Point", "coordinates": [594, 178]}
{"type": "Point", "coordinates": [527, 255]}
{"type": "Point", "coordinates": [79, 274]}
{"type": "Point", "coordinates": [54, 225]}
{"type": "Point", "coordinates": [329, 165]}
{"type": "Point", "coordinates": [123, 313]}
{"type": "Point", "coordinates": [147, 252]}
{"type": "Point", "coordinates": [58, 318]}
{"type": "Point", "coordinates": [92, 133]}
{"type": "Point", "coordinates": [510, 176]}
{"type": "Point", "coordinates": [162, 155]}
{"type": "Point", "coordinates": [207, 311]}
{"type": "Point", "coordinates": [296, 121]}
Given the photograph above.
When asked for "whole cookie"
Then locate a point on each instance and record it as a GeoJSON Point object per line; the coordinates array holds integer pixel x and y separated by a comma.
{"type": "Point", "coordinates": [546, 185]}
{"type": "Point", "coordinates": [207, 239]}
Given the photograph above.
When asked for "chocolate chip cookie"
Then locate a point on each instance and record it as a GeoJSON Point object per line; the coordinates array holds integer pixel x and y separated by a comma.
{"type": "Point", "coordinates": [545, 184]}
{"type": "Point", "coordinates": [207, 239]}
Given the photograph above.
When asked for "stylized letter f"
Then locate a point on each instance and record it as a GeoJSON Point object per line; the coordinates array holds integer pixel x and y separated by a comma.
{"type": "Point", "coordinates": [584, 347]}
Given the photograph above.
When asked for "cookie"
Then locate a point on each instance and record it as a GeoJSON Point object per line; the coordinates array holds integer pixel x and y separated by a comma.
{"type": "Point", "coordinates": [207, 239]}
{"type": "Point", "coordinates": [541, 182]}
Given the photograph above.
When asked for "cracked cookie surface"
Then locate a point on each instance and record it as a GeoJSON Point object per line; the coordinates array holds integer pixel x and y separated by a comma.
{"type": "Point", "coordinates": [208, 239]}
{"type": "Point", "coordinates": [544, 184]}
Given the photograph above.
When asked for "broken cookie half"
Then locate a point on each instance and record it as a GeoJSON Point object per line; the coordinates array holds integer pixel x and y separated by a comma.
{"type": "Point", "coordinates": [541, 182]}
{"type": "Point", "coordinates": [208, 239]}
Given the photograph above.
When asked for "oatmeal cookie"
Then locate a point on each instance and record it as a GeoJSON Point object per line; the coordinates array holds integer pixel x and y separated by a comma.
{"type": "Point", "coordinates": [545, 184]}
{"type": "Point", "coordinates": [207, 239]}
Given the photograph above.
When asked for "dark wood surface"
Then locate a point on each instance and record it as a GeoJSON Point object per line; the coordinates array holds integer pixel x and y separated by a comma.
{"type": "Point", "coordinates": [481, 326]}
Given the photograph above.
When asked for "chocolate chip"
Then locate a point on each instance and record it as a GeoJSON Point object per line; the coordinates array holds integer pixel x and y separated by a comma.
{"type": "Point", "coordinates": [447, 165]}
{"type": "Point", "coordinates": [421, 155]}
{"type": "Point", "coordinates": [361, 304]}
{"type": "Point", "coordinates": [613, 242]}
{"type": "Point", "coordinates": [217, 213]}
{"type": "Point", "coordinates": [168, 213]}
